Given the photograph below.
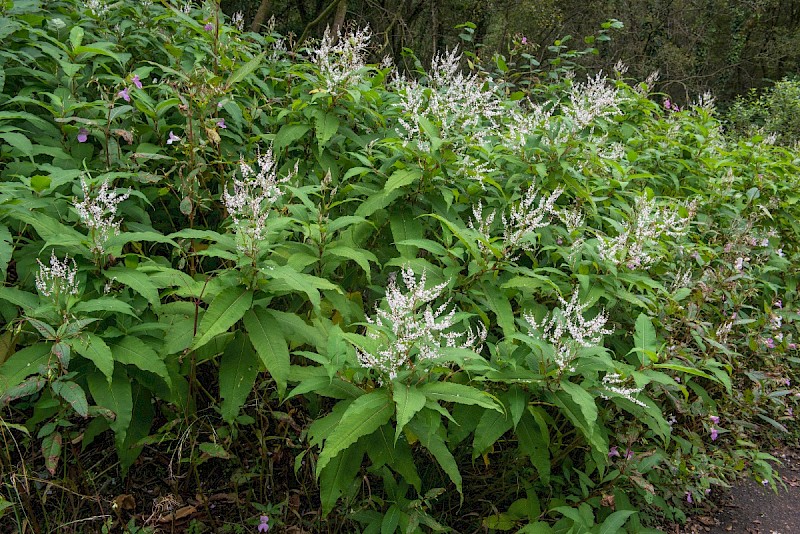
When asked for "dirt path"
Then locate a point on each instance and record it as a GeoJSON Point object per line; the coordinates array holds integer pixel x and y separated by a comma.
{"type": "Point", "coordinates": [750, 508]}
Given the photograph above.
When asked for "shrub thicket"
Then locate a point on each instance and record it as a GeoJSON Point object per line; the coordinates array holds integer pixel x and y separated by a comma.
{"type": "Point", "coordinates": [417, 304]}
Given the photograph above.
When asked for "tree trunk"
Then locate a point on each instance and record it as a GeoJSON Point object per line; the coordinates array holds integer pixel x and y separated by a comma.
{"type": "Point", "coordinates": [261, 15]}
{"type": "Point", "coordinates": [338, 18]}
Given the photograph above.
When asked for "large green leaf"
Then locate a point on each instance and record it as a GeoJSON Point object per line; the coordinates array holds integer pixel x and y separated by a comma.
{"type": "Point", "coordinates": [615, 521]}
{"type": "Point", "coordinates": [460, 394]}
{"type": "Point", "coordinates": [491, 427]}
{"type": "Point", "coordinates": [339, 476]}
{"type": "Point", "coordinates": [426, 428]}
{"type": "Point", "coordinates": [534, 445]}
{"type": "Point", "coordinates": [115, 396]}
{"type": "Point", "coordinates": [6, 250]}
{"type": "Point", "coordinates": [409, 400]}
{"type": "Point", "coordinates": [364, 416]}
{"type": "Point", "coordinates": [73, 394]}
{"type": "Point", "coordinates": [22, 364]}
{"type": "Point", "coordinates": [132, 351]}
{"type": "Point", "coordinates": [136, 280]}
{"type": "Point", "coordinates": [268, 340]}
{"type": "Point", "coordinates": [245, 70]}
{"type": "Point", "coordinates": [286, 278]}
{"type": "Point", "coordinates": [238, 370]}
{"type": "Point", "coordinates": [106, 305]}
{"type": "Point", "coordinates": [139, 427]}
{"type": "Point", "coordinates": [93, 348]}
{"type": "Point", "coordinates": [225, 310]}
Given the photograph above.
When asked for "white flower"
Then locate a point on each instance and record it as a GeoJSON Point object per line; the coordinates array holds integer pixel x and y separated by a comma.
{"type": "Point", "coordinates": [613, 383]}
{"type": "Point", "coordinates": [568, 330]}
{"type": "Point", "coordinates": [59, 278]}
{"type": "Point", "coordinates": [340, 58]}
{"type": "Point", "coordinates": [252, 199]}
{"type": "Point", "coordinates": [98, 213]}
{"type": "Point", "coordinates": [410, 330]}
{"type": "Point", "coordinates": [527, 217]}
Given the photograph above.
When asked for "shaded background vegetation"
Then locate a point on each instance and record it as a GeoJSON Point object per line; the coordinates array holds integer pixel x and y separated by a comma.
{"type": "Point", "coordinates": [725, 46]}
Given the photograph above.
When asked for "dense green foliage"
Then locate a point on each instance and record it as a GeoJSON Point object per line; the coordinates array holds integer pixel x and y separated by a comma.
{"type": "Point", "coordinates": [382, 304]}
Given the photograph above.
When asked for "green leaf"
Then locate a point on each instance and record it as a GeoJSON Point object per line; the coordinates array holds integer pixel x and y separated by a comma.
{"type": "Point", "coordinates": [139, 427]}
{"type": "Point", "coordinates": [501, 306]}
{"type": "Point", "coordinates": [360, 256]}
{"type": "Point", "coordinates": [326, 126]}
{"type": "Point", "coordinates": [130, 350]}
{"type": "Point", "coordinates": [491, 427]}
{"type": "Point", "coordinates": [137, 281]}
{"type": "Point", "coordinates": [73, 394]}
{"type": "Point", "coordinates": [287, 135]}
{"type": "Point", "coordinates": [18, 141]}
{"type": "Point", "coordinates": [645, 334]}
{"type": "Point", "coordinates": [534, 445]}
{"type": "Point", "coordinates": [22, 364]}
{"type": "Point", "coordinates": [114, 395]}
{"type": "Point", "coordinates": [409, 400]}
{"type": "Point", "coordinates": [364, 416]}
{"type": "Point", "coordinates": [245, 70]}
{"type": "Point", "coordinates": [93, 348]}
{"type": "Point", "coordinates": [401, 178]}
{"type": "Point", "coordinates": [76, 36]}
{"type": "Point", "coordinates": [615, 522]}
{"type": "Point", "coordinates": [426, 429]}
{"type": "Point", "coordinates": [51, 450]}
{"type": "Point", "coordinates": [238, 369]}
{"type": "Point", "coordinates": [270, 344]}
{"type": "Point", "coordinates": [6, 250]}
{"type": "Point", "coordinates": [225, 310]}
{"type": "Point", "coordinates": [286, 278]}
{"type": "Point", "coordinates": [107, 305]}
{"type": "Point", "coordinates": [23, 299]}
{"type": "Point", "coordinates": [460, 394]}
{"type": "Point", "coordinates": [339, 476]}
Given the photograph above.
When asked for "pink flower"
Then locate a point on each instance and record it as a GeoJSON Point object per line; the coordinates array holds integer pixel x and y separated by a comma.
{"type": "Point", "coordinates": [689, 497]}
{"type": "Point", "coordinates": [263, 526]}
{"type": "Point", "coordinates": [136, 81]}
{"type": "Point", "coordinates": [779, 303]}
{"type": "Point", "coordinates": [172, 138]}
{"type": "Point", "coordinates": [770, 343]}
{"type": "Point", "coordinates": [714, 419]}
{"type": "Point", "coordinates": [124, 95]}
{"type": "Point", "coordinates": [208, 27]}
{"type": "Point", "coordinates": [221, 124]}
{"type": "Point", "coordinates": [714, 434]}
{"type": "Point", "coordinates": [628, 454]}
{"type": "Point", "coordinates": [524, 40]}
{"type": "Point", "coordinates": [613, 451]}
{"type": "Point", "coordinates": [83, 135]}
{"type": "Point", "coordinates": [667, 104]}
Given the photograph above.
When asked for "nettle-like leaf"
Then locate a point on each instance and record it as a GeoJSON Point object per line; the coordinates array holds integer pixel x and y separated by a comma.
{"type": "Point", "coordinates": [268, 339]}
{"type": "Point", "coordinates": [238, 369]}
{"type": "Point", "coordinates": [225, 310]}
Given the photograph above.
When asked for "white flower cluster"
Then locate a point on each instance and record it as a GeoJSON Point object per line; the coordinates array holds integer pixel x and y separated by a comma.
{"type": "Point", "coordinates": [567, 329]}
{"type": "Point", "coordinates": [456, 102]}
{"type": "Point", "coordinates": [411, 333]}
{"type": "Point", "coordinates": [252, 199]}
{"type": "Point", "coordinates": [526, 217]}
{"type": "Point", "coordinates": [614, 383]}
{"type": "Point", "coordinates": [634, 243]}
{"type": "Point", "coordinates": [591, 100]}
{"type": "Point", "coordinates": [340, 58]}
{"type": "Point", "coordinates": [59, 278]}
{"type": "Point", "coordinates": [98, 213]}
{"type": "Point", "coordinates": [237, 21]}
{"type": "Point", "coordinates": [97, 7]}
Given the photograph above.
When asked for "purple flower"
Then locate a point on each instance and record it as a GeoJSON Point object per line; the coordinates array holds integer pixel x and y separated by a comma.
{"type": "Point", "coordinates": [770, 343]}
{"type": "Point", "coordinates": [787, 382]}
{"type": "Point", "coordinates": [524, 40]}
{"type": "Point", "coordinates": [628, 454]}
{"type": "Point", "coordinates": [689, 497]}
{"type": "Point", "coordinates": [765, 482]}
{"type": "Point", "coordinates": [667, 103]}
{"type": "Point", "coordinates": [264, 525]}
{"type": "Point", "coordinates": [124, 95]}
{"type": "Point", "coordinates": [172, 138]}
{"type": "Point", "coordinates": [714, 434]}
{"type": "Point", "coordinates": [221, 124]}
{"type": "Point", "coordinates": [779, 303]}
{"type": "Point", "coordinates": [613, 451]}
{"type": "Point", "coordinates": [714, 419]}
{"type": "Point", "coordinates": [83, 135]}
{"type": "Point", "coordinates": [208, 27]}
{"type": "Point", "coordinates": [792, 346]}
{"type": "Point", "coordinates": [136, 81]}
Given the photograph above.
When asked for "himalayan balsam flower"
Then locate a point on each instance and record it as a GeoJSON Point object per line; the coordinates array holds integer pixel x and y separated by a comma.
{"type": "Point", "coordinates": [136, 81]}
{"type": "Point", "coordinates": [410, 333]}
{"type": "Point", "coordinates": [689, 497]}
{"type": "Point", "coordinates": [613, 451]}
{"type": "Point", "coordinates": [208, 27]}
{"type": "Point", "coordinates": [714, 419]}
{"type": "Point", "coordinates": [59, 278]}
{"type": "Point", "coordinates": [123, 94]}
{"type": "Point", "coordinates": [98, 214]}
{"type": "Point", "coordinates": [714, 434]}
{"type": "Point", "coordinates": [221, 124]}
{"type": "Point", "coordinates": [568, 330]}
{"type": "Point", "coordinates": [172, 138]}
{"type": "Point", "coordinates": [83, 135]}
{"type": "Point", "coordinates": [263, 526]}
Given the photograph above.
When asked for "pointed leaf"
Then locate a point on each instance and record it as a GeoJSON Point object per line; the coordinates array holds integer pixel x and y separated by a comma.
{"type": "Point", "coordinates": [238, 369]}
{"type": "Point", "coordinates": [93, 348]}
{"type": "Point", "coordinates": [73, 394]}
{"type": "Point", "coordinates": [364, 416]}
{"type": "Point", "coordinates": [132, 351]}
{"type": "Point", "coordinates": [225, 310]}
{"type": "Point", "coordinates": [51, 450]}
{"type": "Point", "coordinates": [461, 394]}
{"type": "Point", "coordinates": [268, 339]}
{"type": "Point", "coordinates": [22, 364]}
{"type": "Point", "coordinates": [409, 401]}
{"type": "Point", "coordinates": [115, 396]}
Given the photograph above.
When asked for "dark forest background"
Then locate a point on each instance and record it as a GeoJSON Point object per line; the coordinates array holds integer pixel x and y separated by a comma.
{"type": "Point", "coordinates": [725, 46]}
